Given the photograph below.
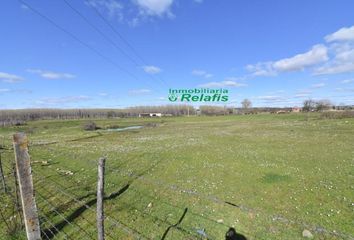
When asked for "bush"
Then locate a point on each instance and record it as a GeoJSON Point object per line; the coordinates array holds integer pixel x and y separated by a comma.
{"type": "Point", "coordinates": [90, 126]}
{"type": "Point", "coordinates": [213, 110]}
{"type": "Point", "coordinates": [114, 126]}
{"type": "Point", "coordinates": [151, 124]}
{"type": "Point", "coordinates": [337, 115]}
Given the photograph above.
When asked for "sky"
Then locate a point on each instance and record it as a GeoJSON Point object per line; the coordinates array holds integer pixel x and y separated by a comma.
{"type": "Point", "coordinates": [121, 53]}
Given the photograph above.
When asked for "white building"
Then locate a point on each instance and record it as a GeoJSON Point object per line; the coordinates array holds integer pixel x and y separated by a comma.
{"type": "Point", "coordinates": [150, 114]}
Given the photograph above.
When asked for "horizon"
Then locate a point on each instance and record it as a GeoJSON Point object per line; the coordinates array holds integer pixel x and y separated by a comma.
{"type": "Point", "coordinates": [114, 54]}
{"type": "Point", "coordinates": [168, 104]}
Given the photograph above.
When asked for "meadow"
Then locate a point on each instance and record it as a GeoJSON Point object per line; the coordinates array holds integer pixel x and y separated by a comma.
{"type": "Point", "coordinates": [269, 176]}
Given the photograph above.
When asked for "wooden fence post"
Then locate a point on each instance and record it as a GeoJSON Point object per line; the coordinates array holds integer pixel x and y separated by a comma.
{"type": "Point", "coordinates": [100, 196]}
{"type": "Point", "coordinates": [24, 177]}
{"type": "Point", "coordinates": [17, 202]}
{"type": "Point", "coordinates": [2, 176]}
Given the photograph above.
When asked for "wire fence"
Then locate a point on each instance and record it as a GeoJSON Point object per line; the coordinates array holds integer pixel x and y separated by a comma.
{"type": "Point", "coordinates": [66, 206]}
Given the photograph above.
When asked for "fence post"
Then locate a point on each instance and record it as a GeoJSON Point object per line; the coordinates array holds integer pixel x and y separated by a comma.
{"type": "Point", "coordinates": [2, 176]}
{"type": "Point", "coordinates": [100, 196]}
{"type": "Point", "coordinates": [24, 177]}
{"type": "Point", "coordinates": [17, 202]}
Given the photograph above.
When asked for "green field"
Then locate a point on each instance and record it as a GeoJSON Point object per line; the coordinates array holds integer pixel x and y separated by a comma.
{"type": "Point", "coordinates": [284, 173]}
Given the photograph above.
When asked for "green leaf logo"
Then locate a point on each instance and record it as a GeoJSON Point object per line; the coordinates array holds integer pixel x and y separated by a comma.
{"type": "Point", "coordinates": [173, 97]}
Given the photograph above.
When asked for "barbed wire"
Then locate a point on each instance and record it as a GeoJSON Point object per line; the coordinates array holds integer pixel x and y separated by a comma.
{"type": "Point", "coordinates": [149, 181]}
{"type": "Point", "coordinates": [93, 225]}
{"type": "Point", "coordinates": [199, 215]}
{"type": "Point", "coordinates": [71, 223]}
{"type": "Point", "coordinates": [216, 199]}
{"type": "Point", "coordinates": [107, 217]}
{"type": "Point", "coordinates": [137, 199]}
{"type": "Point", "coordinates": [220, 201]}
{"type": "Point", "coordinates": [43, 232]}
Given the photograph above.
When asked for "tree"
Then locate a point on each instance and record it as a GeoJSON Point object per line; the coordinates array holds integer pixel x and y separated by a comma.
{"type": "Point", "coordinates": [246, 103]}
{"type": "Point", "coordinates": [213, 110]}
{"type": "Point", "coordinates": [323, 105]}
{"type": "Point", "coordinates": [309, 105]}
{"type": "Point", "coordinates": [320, 105]}
{"type": "Point", "coordinates": [90, 126]}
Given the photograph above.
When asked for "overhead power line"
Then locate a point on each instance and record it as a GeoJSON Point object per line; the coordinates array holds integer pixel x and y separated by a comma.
{"type": "Point", "coordinates": [109, 39]}
{"type": "Point", "coordinates": [123, 39]}
{"type": "Point", "coordinates": [80, 41]}
{"type": "Point", "coordinates": [100, 32]}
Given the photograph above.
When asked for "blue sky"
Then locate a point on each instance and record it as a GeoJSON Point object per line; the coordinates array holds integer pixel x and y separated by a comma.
{"type": "Point", "coordinates": [276, 53]}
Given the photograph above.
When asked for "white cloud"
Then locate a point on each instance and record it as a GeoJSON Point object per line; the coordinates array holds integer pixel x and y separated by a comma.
{"type": "Point", "coordinates": [152, 69]}
{"type": "Point", "coordinates": [347, 81]}
{"type": "Point", "coordinates": [271, 98]}
{"type": "Point", "coordinates": [62, 100]}
{"type": "Point", "coordinates": [261, 69]}
{"type": "Point", "coordinates": [10, 78]}
{"type": "Point", "coordinates": [112, 8]}
{"type": "Point", "coordinates": [139, 91]}
{"type": "Point", "coordinates": [4, 90]}
{"type": "Point", "coordinates": [155, 7]}
{"type": "Point", "coordinates": [316, 55]}
{"type": "Point", "coordinates": [301, 95]}
{"type": "Point", "coordinates": [305, 91]}
{"type": "Point", "coordinates": [202, 73]}
{"type": "Point", "coordinates": [335, 68]}
{"type": "Point", "coordinates": [133, 12]}
{"type": "Point", "coordinates": [341, 62]}
{"type": "Point", "coordinates": [344, 53]}
{"type": "Point", "coordinates": [50, 74]}
{"type": "Point", "coordinates": [337, 57]}
{"type": "Point", "coordinates": [318, 85]}
{"type": "Point", "coordinates": [198, 72]}
{"type": "Point", "coordinates": [226, 83]}
{"type": "Point", "coordinates": [234, 78]}
{"type": "Point", "coordinates": [343, 34]}
{"type": "Point", "coordinates": [344, 89]}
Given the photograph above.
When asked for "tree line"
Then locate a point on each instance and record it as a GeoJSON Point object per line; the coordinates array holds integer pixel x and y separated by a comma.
{"type": "Point", "coordinates": [19, 117]}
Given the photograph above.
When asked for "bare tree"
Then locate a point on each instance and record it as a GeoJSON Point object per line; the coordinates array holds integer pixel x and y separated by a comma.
{"type": "Point", "coordinates": [246, 103]}
{"type": "Point", "coordinates": [309, 105]}
{"type": "Point", "coordinates": [323, 105]}
{"type": "Point", "coordinates": [19, 117]}
{"type": "Point", "coordinates": [320, 105]}
{"type": "Point", "coordinates": [213, 110]}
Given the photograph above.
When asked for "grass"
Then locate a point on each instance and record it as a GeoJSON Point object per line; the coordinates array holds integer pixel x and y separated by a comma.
{"type": "Point", "coordinates": [286, 173]}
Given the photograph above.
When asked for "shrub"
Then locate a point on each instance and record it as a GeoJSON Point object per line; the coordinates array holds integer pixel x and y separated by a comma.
{"type": "Point", "coordinates": [90, 126]}
{"type": "Point", "coordinates": [114, 126]}
{"type": "Point", "coordinates": [337, 115]}
{"type": "Point", "coordinates": [151, 124]}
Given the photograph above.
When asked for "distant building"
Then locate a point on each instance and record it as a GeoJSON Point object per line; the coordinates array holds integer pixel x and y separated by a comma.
{"type": "Point", "coordinates": [150, 114]}
{"type": "Point", "coordinates": [296, 109]}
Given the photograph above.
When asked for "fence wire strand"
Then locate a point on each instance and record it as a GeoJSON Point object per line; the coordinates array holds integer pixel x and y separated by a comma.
{"type": "Point", "coordinates": [47, 190]}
